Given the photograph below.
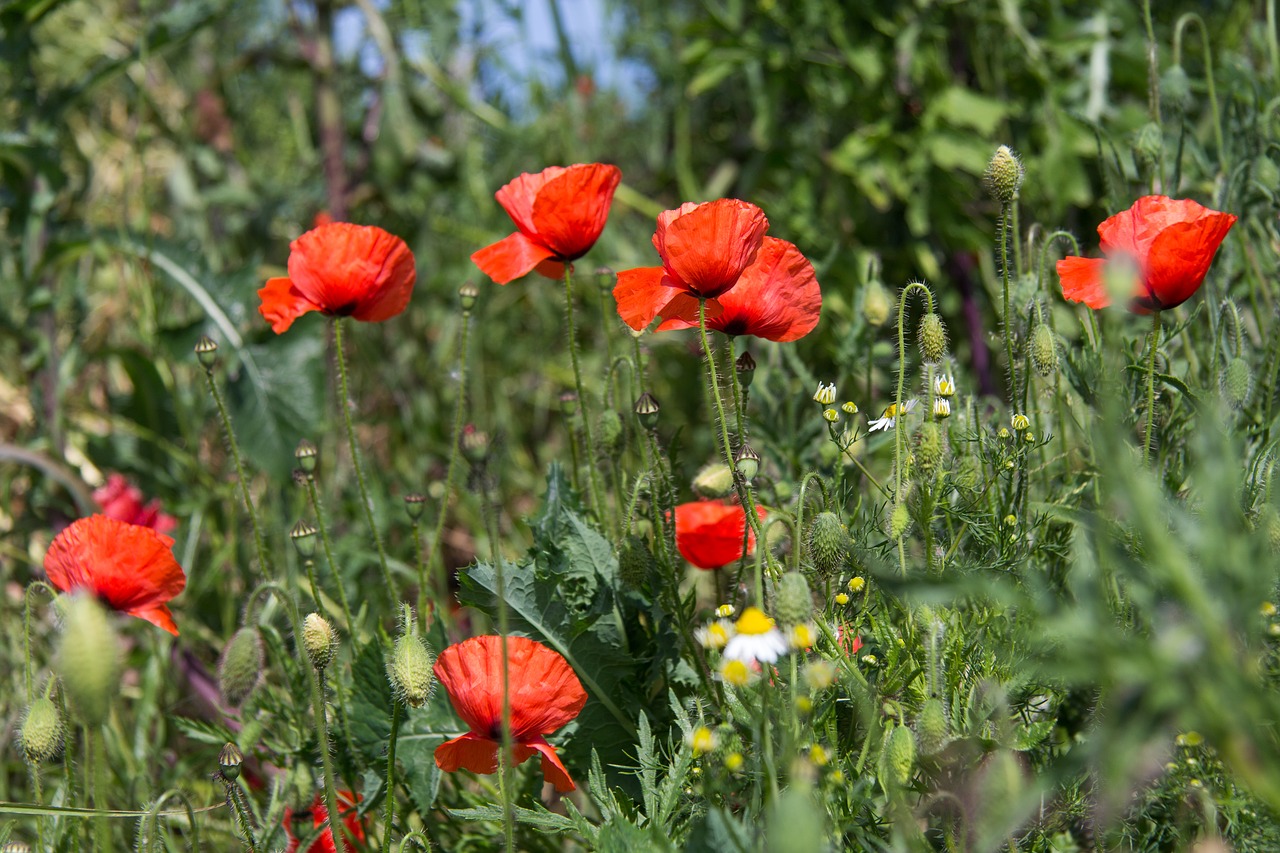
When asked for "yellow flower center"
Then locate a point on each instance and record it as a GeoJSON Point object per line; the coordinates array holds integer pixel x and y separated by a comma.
{"type": "Point", "coordinates": [703, 740]}
{"type": "Point", "coordinates": [736, 673]}
{"type": "Point", "coordinates": [753, 621]}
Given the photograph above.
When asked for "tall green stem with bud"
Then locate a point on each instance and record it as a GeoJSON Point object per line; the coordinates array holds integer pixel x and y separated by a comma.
{"type": "Point", "coordinates": [596, 500]}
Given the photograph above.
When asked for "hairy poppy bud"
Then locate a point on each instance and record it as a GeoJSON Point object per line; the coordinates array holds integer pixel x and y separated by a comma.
{"type": "Point", "coordinates": [1148, 145]}
{"type": "Point", "coordinates": [793, 603]}
{"type": "Point", "coordinates": [609, 428]}
{"type": "Point", "coordinates": [898, 759]}
{"type": "Point", "coordinates": [409, 670]}
{"type": "Point", "coordinates": [933, 338]}
{"type": "Point", "coordinates": [307, 456]}
{"type": "Point", "coordinates": [319, 641]}
{"type": "Point", "coordinates": [207, 352]}
{"type": "Point", "coordinates": [229, 761]}
{"type": "Point", "coordinates": [932, 730]}
{"type": "Point", "coordinates": [930, 447]}
{"type": "Point", "coordinates": [413, 504]}
{"type": "Point", "coordinates": [1175, 88]}
{"type": "Point", "coordinates": [1044, 351]}
{"type": "Point", "coordinates": [303, 536]}
{"type": "Point", "coordinates": [899, 521]}
{"type": "Point", "coordinates": [828, 542]}
{"type": "Point", "coordinates": [240, 667]}
{"type": "Point", "coordinates": [1237, 383]}
{"type": "Point", "coordinates": [876, 304]}
{"type": "Point", "coordinates": [1004, 175]}
{"type": "Point", "coordinates": [746, 367]}
{"type": "Point", "coordinates": [41, 731]}
{"type": "Point", "coordinates": [467, 295]}
{"type": "Point", "coordinates": [646, 410]}
{"type": "Point", "coordinates": [635, 562]}
{"type": "Point", "coordinates": [88, 659]}
{"type": "Point", "coordinates": [475, 444]}
{"type": "Point", "coordinates": [746, 462]}
{"type": "Point", "coordinates": [714, 481]}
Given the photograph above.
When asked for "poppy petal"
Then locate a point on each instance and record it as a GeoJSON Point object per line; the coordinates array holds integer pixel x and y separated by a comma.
{"type": "Point", "coordinates": [1180, 256]}
{"type": "Point", "coordinates": [553, 770]}
{"type": "Point", "coordinates": [571, 209]}
{"type": "Point", "coordinates": [553, 270]}
{"type": "Point", "coordinates": [353, 270]}
{"type": "Point", "coordinates": [159, 616]}
{"type": "Point", "coordinates": [468, 752]}
{"type": "Point", "coordinates": [1082, 281]}
{"type": "Point", "coordinates": [282, 303]}
{"type": "Point", "coordinates": [519, 195]}
{"type": "Point", "coordinates": [510, 258]}
{"type": "Point", "coordinates": [641, 294]}
{"type": "Point", "coordinates": [709, 247]}
{"type": "Point", "coordinates": [709, 533]}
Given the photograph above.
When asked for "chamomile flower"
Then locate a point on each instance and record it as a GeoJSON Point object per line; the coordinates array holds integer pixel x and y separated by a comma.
{"type": "Point", "coordinates": [737, 673]}
{"type": "Point", "coordinates": [724, 611]}
{"type": "Point", "coordinates": [802, 637]}
{"type": "Point", "coordinates": [889, 419]}
{"type": "Point", "coordinates": [944, 385]}
{"type": "Point", "coordinates": [826, 394]}
{"type": "Point", "coordinates": [1020, 422]}
{"type": "Point", "coordinates": [702, 740]}
{"type": "Point", "coordinates": [941, 408]}
{"type": "Point", "coordinates": [849, 407]}
{"type": "Point", "coordinates": [716, 635]}
{"type": "Point", "coordinates": [756, 639]}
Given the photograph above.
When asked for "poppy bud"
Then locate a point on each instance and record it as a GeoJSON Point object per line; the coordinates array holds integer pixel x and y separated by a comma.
{"type": "Point", "coordinates": [303, 536]}
{"type": "Point", "coordinates": [207, 352]}
{"type": "Point", "coordinates": [319, 641]}
{"type": "Point", "coordinates": [467, 295]}
{"type": "Point", "coordinates": [606, 279]}
{"type": "Point", "coordinates": [1004, 175]}
{"type": "Point", "coordinates": [714, 481]}
{"type": "Point", "coordinates": [930, 447]}
{"type": "Point", "coordinates": [1237, 383]}
{"type": "Point", "coordinates": [793, 603]}
{"type": "Point", "coordinates": [475, 444]}
{"type": "Point", "coordinates": [828, 542]}
{"type": "Point", "coordinates": [933, 338]}
{"type": "Point", "coordinates": [413, 504]}
{"type": "Point", "coordinates": [646, 410]}
{"type": "Point", "coordinates": [88, 659]}
{"type": "Point", "coordinates": [899, 521]}
{"type": "Point", "coordinates": [1044, 351]}
{"type": "Point", "coordinates": [568, 404]}
{"type": "Point", "coordinates": [240, 667]}
{"type": "Point", "coordinates": [1175, 88]}
{"type": "Point", "coordinates": [1148, 144]}
{"type": "Point", "coordinates": [876, 304]}
{"type": "Point", "coordinates": [746, 367]}
{"type": "Point", "coordinates": [635, 562]}
{"type": "Point", "coordinates": [409, 670]}
{"type": "Point", "coordinates": [898, 759]}
{"type": "Point", "coordinates": [307, 455]}
{"type": "Point", "coordinates": [41, 731]}
{"type": "Point", "coordinates": [609, 429]}
{"type": "Point", "coordinates": [746, 462]}
{"type": "Point", "coordinates": [229, 761]}
{"type": "Point", "coordinates": [932, 730]}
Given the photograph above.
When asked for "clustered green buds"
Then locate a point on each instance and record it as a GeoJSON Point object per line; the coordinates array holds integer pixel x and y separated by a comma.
{"type": "Point", "coordinates": [409, 667]}
{"type": "Point", "coordinates": [1237, 383]}
{"type": "Point", "coordinates": [714, 481]}
{"type": "Point", "coordinates": [828, 542]}
{"type": "Point", "coordinates": [240, 667]}
{"type": "Point", "coordinates": [793, 602]}
{"type": "Point", "coordinates": [41, 731]}
{"type": "Point", "coordinates": [88, 659]}
{"type": "Point", "coordinates": [319, 641]}
{"type": "Point", "coordinates": [1004, 175]}
{"type": "Point", "coordinates": [1044, 351]}
{"type": "Point", "coordinates": [933, 338]}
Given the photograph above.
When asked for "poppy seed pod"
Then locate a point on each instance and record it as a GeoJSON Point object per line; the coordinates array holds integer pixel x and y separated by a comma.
{"type": "Point", "coordinates": [1044, 351]}
{"type": "Point", "coordinates": [1004, 175]}
{"type": "Point", "coordinates": [933, 338]}
{"type": "Point", "coordinates": [606, 278]}
{"type": "Point", "coordinates": [714, 481]}
{"type": "Point", "coordinates": [828, 542]}
{"type": "Point", "coordinates": [475, 444]}
{"type": "Point", "coordinates": [793, 602]}
{"type": "Point", "coordinates": [876, 304]}
{"type": "Point", "coordinates": [746, 462]}
{"type": "Point", "coordinates": [319, 641]}
{"type": "Point", "coordinates": [413, 505]}
{"type": "Point", "coordinates": [409, 670]}
{"type": "Point", "coordinates": [303, 536]}
{"type": "Point", "coordinates": [42, 731]}
{"type": "Point", "coordinates": [746, 367]}
{"type": "Point", "coordinates": [898, 759]}
{"type": "Point", "coordinates": [467, 296]}
{"type": "Point", "coordinates": [88, 659]}
{"type": "Point", "coordinates": [207, 352]}
{"type": "Point", "coordinates": [646, 409]}
{"type": "Point", "coordinates": [1237, 383]}
{"type": "Point", "coordinates": [229, 760]}
{"type": "Point", "coordinates": [240, 667]}
{"type": "Point", "coordinates": [307, 456]}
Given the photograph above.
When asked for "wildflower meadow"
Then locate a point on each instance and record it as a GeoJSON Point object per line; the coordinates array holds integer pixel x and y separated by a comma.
{"type": "Point", "coordinates": [558, 425]}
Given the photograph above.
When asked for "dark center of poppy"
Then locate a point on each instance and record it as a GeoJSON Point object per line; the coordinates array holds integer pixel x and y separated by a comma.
{"type": "Point", "coordinates": [344, 310]}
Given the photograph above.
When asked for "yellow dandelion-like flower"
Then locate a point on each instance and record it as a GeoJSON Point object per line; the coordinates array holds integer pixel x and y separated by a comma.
{"type": "Point", "coordinates": [702, 740]}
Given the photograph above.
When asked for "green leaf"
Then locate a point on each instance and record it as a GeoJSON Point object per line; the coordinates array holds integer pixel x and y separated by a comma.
{"type": "Point", "coordinates": [718, 832]}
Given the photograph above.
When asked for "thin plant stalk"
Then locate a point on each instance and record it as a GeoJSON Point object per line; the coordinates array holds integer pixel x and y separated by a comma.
{"type": "Point", "coordinates": [235, 799]}
{"type": "Point", "coordinates": [1152, 346]}
{"type": "Point", "coordinates": [391, 772]}
{"type": "Point", "coordinates": [1006, 318]}
{"type": "Point", "coordinates": [596, 498]}
{"type": "Point", "coordinates": [344, 404]}
{"type": "Point", "coordinates": [225, 419]}
{"type": "Point", "coordinates": [504, 765]}
{"type": "Point", "coordinates": [1193, 18]}
{"type": "Point", "coordinates": [313, 495]}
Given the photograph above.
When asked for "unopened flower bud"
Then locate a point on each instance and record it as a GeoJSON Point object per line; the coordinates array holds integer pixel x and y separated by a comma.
{"type": "Point", "coordinates": [828, 542]}
{"type": "Point", "coordinates": [933, 338]}
{"type": "Point", "coordinates": [714, 481]}
{"type": "Point", "coordinates": [899, 757]}
{"type": "Point", "coordinates": [830, 415]}
{"type": "Point", "coordinates": [942, 408]}
{"type": "Point", "coordinates": [1148, 144]}
{"type": "Point", "coordinates": [229, 761]}
{"type": "Point", "coordinates": [1004, 175]}
{"type": "Point", "coordinates": [930, 446]}
{"type": "Point", "coordinates": [307, 456]}
{"type": "Point", "coordinates": [88, 659]}
{"type": "Point", "coordinates": [646, 409]}
{"type": "Point", "coordinates": [303, 536]}
{"type": "Point", "coordinates": [899, 521]}
{"type": "Point", "coordinates": [568, 404]}
{"type": "Point", "coordinates": [207, 352]}
{"type": "Point", "coordinates": [825, 395]}
{"type": "Point", "coordinates": [42, 731]}
{"type": "Point", "coordinates": [467, 296]}
{"type": "Point", "coordinates": [1237, 383]}
{"type": "Point", "coordinates": [413, 505]}
{"type": "Point", "coordinates": [1044, 351]}
{"type": "Point", "coordinates": [793, 603]}
{"type": "Point", "coordinates": [932, 730]}
{"type": "Point", "coordinates": [475, 444]}
{"type": "Point", "coordinates": [876, 304]}
{"type": "Point", "coordinates": [636, 564]}
{"type": "Point", "coordinates": [409, 670]}
{"type": "Point", "coordinates": [240, 667]}
{"type": "Point", "coordinates": [606, 279]}
{"type": "Point", "coordinates": [319, 641]}
{"type": "Point", "coordinates": [1175, 88]}
{"type": "Point", "coordinates": [746, 462]}
{"type": "Point", "coordinates": [746, 367]}
{"type": "Point", "coordinates": [1020, 422]}
{"type": "Point", "coordinates": [609, 429]}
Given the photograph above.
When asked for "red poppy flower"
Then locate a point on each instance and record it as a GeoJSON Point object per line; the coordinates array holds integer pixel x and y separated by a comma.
{"type": "Point", "coordinates": [129, 567]}
{"type": "Point", "coordinates": [848, 639]}
{"type": "Point", "coordinates": [559, 214]}
{"type": "Point", "coordinates": [777, 298]}
{"type": "Point", "coordinates": [1169, 245]}
{"type": "Point", "coordinates": [122, 500]}
{"type": "Point", "coordinates": [319, 816]}
{"type": "Point", "coordinates": [341, 270]}
{"type": "Point", "coordinates": [705, 249]}
{"type": "Point", "coordinates": [545, 695]}
{"type": "Point", "coordinates": [709, 533]}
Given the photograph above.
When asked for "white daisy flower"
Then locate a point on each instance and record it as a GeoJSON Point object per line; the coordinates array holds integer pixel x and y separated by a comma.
{"type": "Point", "coordinates": [716, 635]}
{"type": "Point", "coordinates": [757, 639]}
{"type": "Point", "coordinates": [941, 408]}
{"type": "Point", "coordinates": [826, 394]}
{"type": "Point", "coordinates": [890, 417]}
{"type": "Point", "coordinates": [945, 385]}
